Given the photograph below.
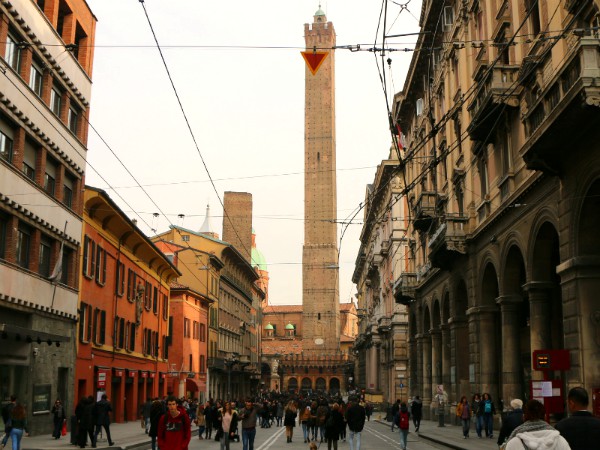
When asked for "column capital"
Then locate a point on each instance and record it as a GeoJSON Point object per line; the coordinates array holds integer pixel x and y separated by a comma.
{"type": "Point", "coordinates": [579, 265]}
{"type": "Point", "coordinates": [458, 320]}
{"type": "Point", "coordinates": [478, 310]}
{"type": "Point", "coordinates": [509, 300]}
{"type": "Point", "coordinates": [533, 286]}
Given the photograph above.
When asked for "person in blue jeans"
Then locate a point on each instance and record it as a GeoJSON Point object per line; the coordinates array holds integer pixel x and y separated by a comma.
{"type": "Point", "coordinates": [355, 417]}
{"type": "Point", "coordinates": [477, 409]}
{"type": "Point", "coordinates": [248, 415]}
{"type": "Point", "coordinates": [488, 415]}
{"type": "Point", "coordinates": [18, 419]}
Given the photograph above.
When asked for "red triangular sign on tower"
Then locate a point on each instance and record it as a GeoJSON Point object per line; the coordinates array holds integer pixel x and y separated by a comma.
{"type": "Point", "coordinates": [314, 60]}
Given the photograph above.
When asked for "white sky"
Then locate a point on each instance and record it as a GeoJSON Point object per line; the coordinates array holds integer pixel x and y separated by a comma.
{"type": "Point", "coordinates": [246, 110]}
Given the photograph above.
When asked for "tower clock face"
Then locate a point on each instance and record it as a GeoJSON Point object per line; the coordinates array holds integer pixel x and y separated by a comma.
{"type": "Point", "coordinates": [319, 341]}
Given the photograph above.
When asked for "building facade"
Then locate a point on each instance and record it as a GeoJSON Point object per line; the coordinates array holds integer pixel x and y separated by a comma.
{"type": "Point", "coordinates": [46, 50]}
{"type": "Point", "coordinates": [124, 314]}
{"type": "Point", "coordinates": [502, 174]}
{"type": "Point", "coordinates": [381, 347]}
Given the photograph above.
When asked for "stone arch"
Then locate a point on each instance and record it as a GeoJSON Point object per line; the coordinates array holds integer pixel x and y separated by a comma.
{"type": "Point", "coordinates": [488, 286]}
{"type": "Point", "coordinates": [293, 384]}
{"type": "Point", "coordinates": [487, 322]}
{"type": "Point", "coordinates": [586, 239]}
{"type": "Point", "coordinates": [320, 384]}
{"type": "Point", "coordinates": [445, 306]}
{"type": "Point", "coordinates": [436, 316]}
{"type": "Point", "coordinates": [334, 386]}
{"type": "Point", "coordinates": [306, 384]}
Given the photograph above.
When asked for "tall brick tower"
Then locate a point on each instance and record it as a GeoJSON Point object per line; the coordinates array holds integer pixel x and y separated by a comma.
{"type": "Point", "coordinates": [320, 280]}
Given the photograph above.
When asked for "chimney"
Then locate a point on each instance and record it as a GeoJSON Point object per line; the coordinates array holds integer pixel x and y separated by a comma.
{"type": "Point", "coordinates": [237, 222]}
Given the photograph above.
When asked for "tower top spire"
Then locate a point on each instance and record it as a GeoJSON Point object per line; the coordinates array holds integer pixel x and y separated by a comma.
{"type": "Point", "coordinates": [207, 227]}
{"type": "Point", "coordinates": [320, 15]}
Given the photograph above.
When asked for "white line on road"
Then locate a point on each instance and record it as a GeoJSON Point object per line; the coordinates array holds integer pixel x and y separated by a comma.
{"type": "Point", "coordinates": [271, 440]}
{"type": "Point", "coordinates": [384, 437]}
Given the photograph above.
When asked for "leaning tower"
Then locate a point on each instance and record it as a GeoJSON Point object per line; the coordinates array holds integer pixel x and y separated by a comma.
{"type": "Point", "coordinates": [320, 277]}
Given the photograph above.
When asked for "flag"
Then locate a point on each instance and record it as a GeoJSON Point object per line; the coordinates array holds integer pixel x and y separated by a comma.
{"type": "Point", "coordinates": [57, 272]}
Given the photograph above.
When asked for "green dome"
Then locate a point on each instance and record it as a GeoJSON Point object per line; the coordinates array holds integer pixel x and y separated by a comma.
{"type": "Point", "coordinates": [320, 12]}
{"type": "Point", "coordinates": [258, 259]}
{"type": "Point", "coordinates": [289, 326]}
{"type": "Point", "coordinates": [269, 327]}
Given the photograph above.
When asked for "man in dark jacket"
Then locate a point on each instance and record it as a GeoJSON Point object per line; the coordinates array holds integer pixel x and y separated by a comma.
{"type": "Point", "coordinates": [85, 413]}
{"type": "Point", "coordinates": [355, 417]}
{"type": "Point", "coordinates": [395, 411]}
{"type": "Point", "coordinates": [103, 408]}
{"type": "Point", "coordinates": [581, 430]}
{"type": "Point", "coordinates": [512, 420]}
{"type": "Point", "coordinates": [416, 410]}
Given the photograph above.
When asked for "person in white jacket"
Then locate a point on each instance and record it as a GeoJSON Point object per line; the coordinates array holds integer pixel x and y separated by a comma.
{"type": "Point", "coordinates": [535, 433]}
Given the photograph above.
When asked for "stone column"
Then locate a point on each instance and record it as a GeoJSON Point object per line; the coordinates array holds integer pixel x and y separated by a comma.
{"type": "Point", "coordinates": [446, 358]}
{"type": "Point", "coordinates": [427, 394]}
{"type": "Point", "coordinates": [488, 367]}
{"type": "Point", "coordinates": [511, 349]}
{"type": "Point", "coordinates": [459, 354]}
{"type": "Point", "coordinates": [419, 366]}
{"type": "Point", "coordinates": [539, 318]}
{"type": "Point", "coordinates": [436, 357]}
{"type": "Point", "coordinates": [413, 378]}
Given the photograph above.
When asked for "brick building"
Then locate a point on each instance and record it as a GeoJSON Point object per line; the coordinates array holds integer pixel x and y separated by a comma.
{"type": "Point", "coordinates": [46, 53]}
{"type": "Point", "coordinates": [124, 313]}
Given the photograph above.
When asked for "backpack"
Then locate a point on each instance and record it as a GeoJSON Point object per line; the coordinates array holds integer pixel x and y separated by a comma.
{"type": "Point", "coordinates": [488, 407]}
{"type": "Point", "coordinates": [403, 423]}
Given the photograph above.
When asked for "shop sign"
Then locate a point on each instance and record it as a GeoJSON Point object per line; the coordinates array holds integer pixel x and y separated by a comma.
{"type": "Point", "coordinates": [102, 375]}
{"type": "Point", "coordinates": [144, 374]}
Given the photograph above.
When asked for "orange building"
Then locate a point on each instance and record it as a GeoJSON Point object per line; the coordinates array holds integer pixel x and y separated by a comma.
{"type": "Point", "coordinates": [123, 310]}
{"type": "Point", "coordinates": [190, 302]}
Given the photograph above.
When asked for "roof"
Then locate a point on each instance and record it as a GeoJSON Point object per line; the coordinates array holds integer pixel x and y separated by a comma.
{"type": "Point", "coordinates": [346, 306]}
{"type": "Point", "coordinates": [258, 259]}
{"type": "Point", "coordinates": [346, 338]}
{"type": "Point", "coordinates": [269, 326]}
{"type": "Point", "coordinates": [207, 225]}
{"type": "Point", "coordinates": [289, 326]}
{"type": "Point", "coordinates": [320, 12]}
{"type": "Point", "coordinates": [275, 309]}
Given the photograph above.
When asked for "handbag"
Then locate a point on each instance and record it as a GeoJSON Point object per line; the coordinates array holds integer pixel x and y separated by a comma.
{"type": "Point", "coordinates": [219, 434]}
{"type": "Point", "coordinates": [63, 430]}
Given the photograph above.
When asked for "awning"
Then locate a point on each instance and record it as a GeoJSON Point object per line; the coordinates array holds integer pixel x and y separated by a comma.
{"type": "Point", "coordinates": [27, 334]}
{"type": "Point", "coordinates": [191, 385]}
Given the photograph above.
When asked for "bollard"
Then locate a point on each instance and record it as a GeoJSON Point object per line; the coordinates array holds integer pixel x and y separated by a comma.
{"type": "Point", "coordinates": [73, 428]}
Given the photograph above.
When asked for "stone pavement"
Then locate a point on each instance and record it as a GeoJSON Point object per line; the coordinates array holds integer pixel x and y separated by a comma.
{"type": "Point", "coordinates": [130, 436]}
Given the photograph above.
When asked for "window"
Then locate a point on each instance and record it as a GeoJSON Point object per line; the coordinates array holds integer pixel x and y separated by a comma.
{"type": "Point", "coordinates": [99, 327]}
{"type": "Point", "coordinates": [148, 296]}
{"type": "Point", "coordinates": [55, 100]}
{"type": "Point", "coordinates": [100, 274]}
{"type": "Point", "coordinates": [68, 187]}
{"type": "Point", "coordinates": [73, 119]}
{"type": "Point", "coordinates": [534, 17]}
{"type": "Point", "coordinates": [12, 54]}
{"type": "Point", "coordinates": [165, 347]}
{"type": "Point", "coordinates": [202, 332]}
{"type": "Point", "coordinates": [165, 304]}
{"type": "Point", "coordinates": [29, 158]}
{"type": "Point", "coordinates": [24, 234]}
{"type": "Point", "coordinates": [45, 252]}
{"type": "Point", "coordinates": [195, 330]}
{"type": "Point", "coordinates": [50, 177]}
{"type": "Point", "coordinates": [186, 328]}
{"type": "Point", "coordinates": [131, 336]}
{"type": "Point", "coordinates": [120, 279]}
{"type": "Point", "coordinates": [185, 237]}
{"type": "Point", "coordinates": [6, 146]}
{"type": "Point", "coordinates": [448, 17]}
{"type": "Point", "coordinates": [202, 364]}
{"type": "Point", "coordinates": [67, 259]}
{"type": "Point", "coordinates": [35, 79]}
{"type": "Point", "coordinates": [119, 332]}
{"type": "Point", "coordinates": [85, 322]}
{"type": "Point", "coordinates": [483, 175]}
{"type": "Point", "coordinates": [155, 300]}
{"type": "Point", "coordinates": [3, 232]}
{"type": "Point", "coordinates": [191, 363]}
{"type": "Point", "coordinates": [131, 279]}
{"type": "Point", "coordinates": [420, 106]}
{"type": "Point", "coordinates": [89, 257]}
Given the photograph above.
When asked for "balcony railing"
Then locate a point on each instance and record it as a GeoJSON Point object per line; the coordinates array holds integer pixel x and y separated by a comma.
{"type": "Point", "coordinates": [570, 98]}
{"type": "Point", "coordinates": [499, 87]}
{"type": "Point", "coordinates": [448, 243]}
{"type": "Point", "coordinates": [404, 288]}
{"type": "Point", "coordinates": [425, 210]}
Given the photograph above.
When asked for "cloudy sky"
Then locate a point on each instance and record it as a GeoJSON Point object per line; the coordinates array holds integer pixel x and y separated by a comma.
{"type": "Point", "coordinates": [239, 75]}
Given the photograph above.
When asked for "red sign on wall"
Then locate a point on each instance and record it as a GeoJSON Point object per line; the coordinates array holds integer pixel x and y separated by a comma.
{"type": "Point", "coordinates": [102, 376]}
{"type": "Point", "coordinates": [144, 374]}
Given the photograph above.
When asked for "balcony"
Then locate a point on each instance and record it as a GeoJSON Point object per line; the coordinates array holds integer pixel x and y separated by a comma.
{"type": "Point", "coordinates": [497, 88]}
{"type": "Point", "coordinates": [404, 288]}
{"type": "Point", "coordinates": [425, 210]}
{"type": "Point", "coordinates": [553, 123]}
{"type": "Point", "coordinates": [384, 324]}
{"type": "Point", "coordinates": [448, 243]}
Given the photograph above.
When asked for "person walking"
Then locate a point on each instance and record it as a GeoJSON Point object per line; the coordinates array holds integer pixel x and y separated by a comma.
{"type": "Point", "coordinates": [103, 409]}
{"type": "Point", "coordinates": [403, 424]}
{"type": "Point", "coordinates": [312, 424]}
{"type": "Point", "coordinates": [18, 425]}
{"type": "Point", "coordinates": [355, 417]}
{"type": "Point", "coordinates": [512, 420]}
{"type": "Point", "coordinates": [417, 412]}
{"type": "Point", "coordinates": [6, 411]}
{"type": "Point", "coordinates": [279, 413]}
{"type": "Point", "coordinates": [333, 425]}
{"type": "Point", "coordinates": [581, 430]}
{"type": "Point", "coordinates": [146, 407]}
{"type": "Point", "coordinates": [463, 412]}
{"type": "Point", "coordinates": [535, 433]}
{"type": "Point", "coordinates": [58, 418]}
{"type": "Point", "coordinates": [489, 410]}
{"type": "Point", "coordinates": [156, 412]}
{"type": "Point", "coordinates": [395, 409]}
{"type": "Point", "coordinates": [289, 420]}
{"type": "Point", "coordinates": [86, 420]}
{"type": "Point", "coordinates": [368, 411]}
{"type": "Point", "coordinates": [322, 412]}
{"type": "Point", "coordinates": [174, 427]}
{"type": "Point", "coordinates": [477, 408]}
{"type": "Point", "coordinates": [209, 412]}
{"type": "Point", "coordinates": [248, 416]}
{"type": "Point", "coordinates": [304, 419]}
{"type": "Point", "coordinates": [228, 419]}
{"type": "Point", "coordinates": [200, 420]}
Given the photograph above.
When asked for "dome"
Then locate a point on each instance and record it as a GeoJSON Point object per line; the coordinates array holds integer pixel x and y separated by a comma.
{"type": "Point", "coordinates": [258, 259]}
{"type": "Point", "coordinates": [269, 327]}
{"type": "Point", "coordinates": [289, 326]}
{"type": "Point", "coordinates": [320, 12]}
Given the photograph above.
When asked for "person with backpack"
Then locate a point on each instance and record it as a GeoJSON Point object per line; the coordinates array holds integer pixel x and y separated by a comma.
{"type": "Point", "coordinates": [489, 410]}
{"type": "Point", "coordinates": [174, 427]}
{"type": "Point", "coordinates": [403, 424]}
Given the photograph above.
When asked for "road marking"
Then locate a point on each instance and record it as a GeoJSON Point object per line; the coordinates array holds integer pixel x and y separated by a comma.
{"type": "Point", "coordinates": [384, 437]}
{"type": "Point", "coordinates": [271, 440]}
